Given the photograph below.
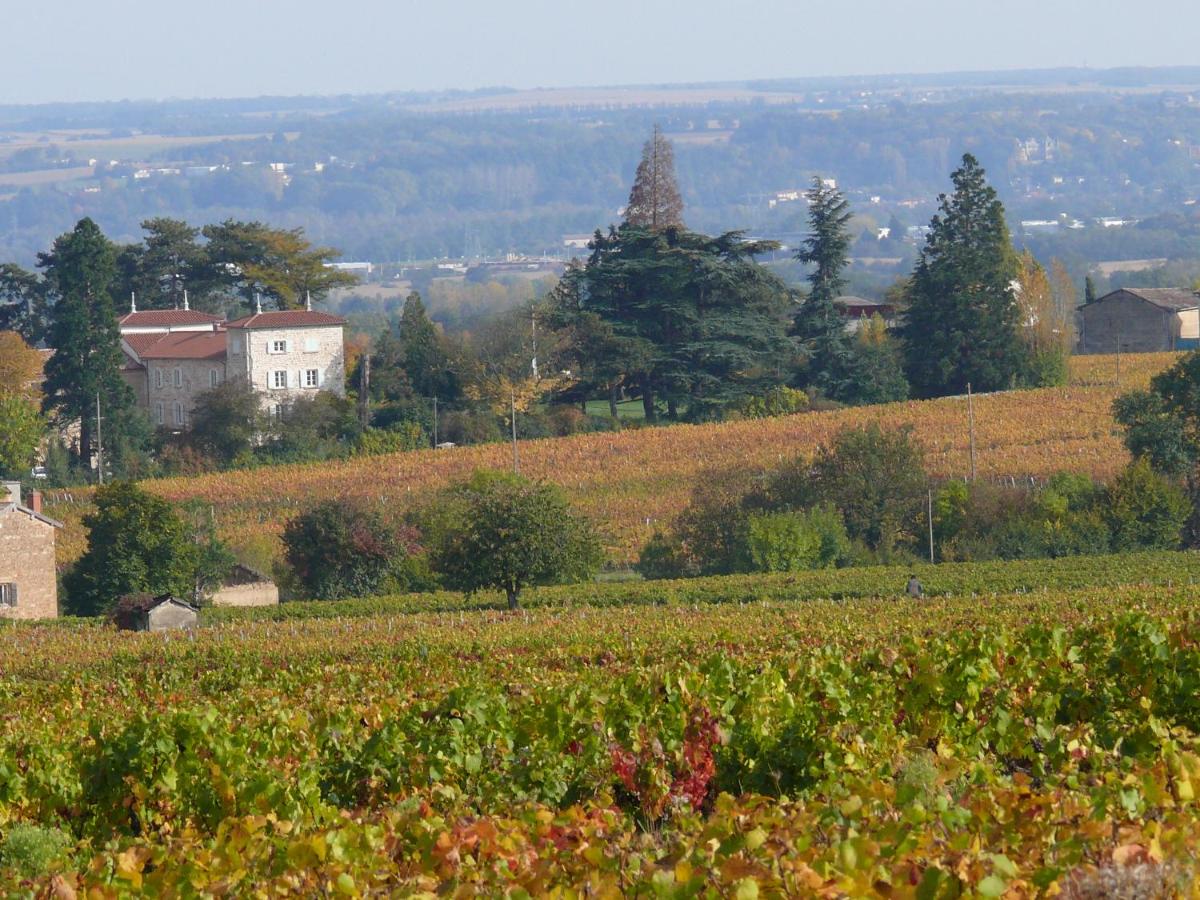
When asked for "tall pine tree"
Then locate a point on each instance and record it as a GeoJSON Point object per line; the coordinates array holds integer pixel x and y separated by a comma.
{"type": "Point", "coordinates": [963, 320]}
{"type": "Point", "coordinates": [80, 269]}
{"type": "Point", "coordinates": [818, 325]}
{"type": "Point", "coordinates": [654, 201]}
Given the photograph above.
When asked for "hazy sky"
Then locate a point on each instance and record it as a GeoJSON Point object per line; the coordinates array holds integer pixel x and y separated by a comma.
{"type": "Point", "coordinates": [134, 49]}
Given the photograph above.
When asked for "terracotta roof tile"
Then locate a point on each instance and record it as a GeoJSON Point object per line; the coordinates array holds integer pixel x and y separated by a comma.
{"type": "Point", "coordinates": [186, 345]}
{"type": "Point", "coordinates": [141, 342]}
{"type": "Point", "coordinates": [288, 318]}
{"type": "Point", "coordinates": [165, 318]}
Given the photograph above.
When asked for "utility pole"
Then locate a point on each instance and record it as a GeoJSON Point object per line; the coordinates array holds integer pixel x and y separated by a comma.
{"type": "Point", "coordinates": [364, 392]}
{"type": "Point", "coordinates": [931, 525]}
{"type": "Point", "coordinates": [1118, 359]}
{"type": "Point", "coordinates": [971, 425]}
{"type": "Point", "coordinates": [512, 398]}
{"type": "Point", "coordinates": [435, 423]}
{"type": "Point", "coordinates": [99, 443]}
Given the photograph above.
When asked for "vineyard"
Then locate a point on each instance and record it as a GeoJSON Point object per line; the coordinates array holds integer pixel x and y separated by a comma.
{"type": "Point", "coordinates": [633, 480]}
{"type": "Point", "coordinates": [1019, 745]}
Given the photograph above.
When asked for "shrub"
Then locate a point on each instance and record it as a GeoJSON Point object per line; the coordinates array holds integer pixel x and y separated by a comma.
{"type": "Point", "coordinates": [403, 437]}
{"type": "Point", "coordinates": [340, 549]}
{"type": "Point", "coordinates": [469, 427]}
{"type": "Point", "coordinates": [777, 401]}
{"type": "Point", "coordinates": [1144, 510]}
{"type": "Point", "coordinates": [664, 557]}
{"type": "Point", "coordinates": [793, 541]}
{"type": "Point", "coordinates": [876, 479]}
{"type": "Point", "coordinates": [32, 851]}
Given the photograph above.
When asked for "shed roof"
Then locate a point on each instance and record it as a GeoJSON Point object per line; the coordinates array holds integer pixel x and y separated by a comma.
{"type": "Point", "coordinates": [286, 318]}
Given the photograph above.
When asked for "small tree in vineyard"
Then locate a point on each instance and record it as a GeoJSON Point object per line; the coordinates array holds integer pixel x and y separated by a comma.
{"type": "Point", "coordinates": [503, 532]}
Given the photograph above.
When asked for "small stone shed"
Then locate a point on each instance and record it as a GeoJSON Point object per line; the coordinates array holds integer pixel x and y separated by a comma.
{"type": "Point", "coordinates": [244, 586]}
{"type": "Point", "coordinates": [144, 612]}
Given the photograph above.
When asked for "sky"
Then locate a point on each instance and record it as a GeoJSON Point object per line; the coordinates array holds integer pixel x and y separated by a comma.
{"type": "Point", "coordinates": [81, 50]}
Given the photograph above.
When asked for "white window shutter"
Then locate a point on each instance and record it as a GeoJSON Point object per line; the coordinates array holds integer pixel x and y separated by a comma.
{"type": "Point", "coordinates": [320, 378]}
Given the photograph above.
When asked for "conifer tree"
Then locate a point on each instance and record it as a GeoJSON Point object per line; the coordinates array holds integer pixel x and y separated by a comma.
{"type": "Point", "coordinates": [80, 269]}
{"type": "Point", "coordinates": [654, 201]}
{"type": "Point", "coordinates": [963, 320]}
{"type": "Point", "coordinates": [818, 323]}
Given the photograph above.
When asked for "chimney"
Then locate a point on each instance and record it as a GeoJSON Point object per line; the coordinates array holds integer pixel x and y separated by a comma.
{"type": "Point", "coordinates": [35, 501]}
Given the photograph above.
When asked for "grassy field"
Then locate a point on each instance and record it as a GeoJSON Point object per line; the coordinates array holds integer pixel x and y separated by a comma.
{"type": "Point", "coordinates": [1013, 745]}
{"type": "Point", "coordinates": [633, 481]}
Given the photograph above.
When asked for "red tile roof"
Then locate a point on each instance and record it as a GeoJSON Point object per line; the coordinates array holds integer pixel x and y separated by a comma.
{"type": "Point", "coordinates": [165, 318]}
{"type": "Point", "coordinates": [186, 345]}
{"type": "Point", "coordinates": [287, 318]}
{"type": "Point", "coordinates": [141, 342]}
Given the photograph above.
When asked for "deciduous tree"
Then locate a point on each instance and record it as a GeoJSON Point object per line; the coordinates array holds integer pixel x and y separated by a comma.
{"type": "Point", "coordinates": [503, 532]}
{"type": "Point", "coordinates": [136, 543]}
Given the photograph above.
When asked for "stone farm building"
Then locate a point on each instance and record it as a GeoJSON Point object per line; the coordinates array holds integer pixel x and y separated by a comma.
{"type": "Point", "coordinates": [28, 582]}
{"type": "Point", "coordinates": [172, 356]}
{"type": "Point", "coordinates": [1140, 320]}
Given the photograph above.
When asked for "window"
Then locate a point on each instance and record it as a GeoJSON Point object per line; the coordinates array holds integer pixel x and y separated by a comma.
{"type": "Point", "coordinates": [8, 594]}
{"type": "Point", "coordinates": [178, 378]}
{"type": "Point", "coordinates": [158, 378]}
{"type": "Point", "coordinates": [311, 377]}
{"type": "Point", "coordinates": [277, 412]}
{"type": "Point", "coordinates": [213, 378]}
{"type": "Point", "coordinates": [277, 347]}
{"type": "Point", "coordinates": [279, 379]}
{"type": "Point", "coordinates": [235, 344]}
{"type": "Point", "coordinates": [178, 413]}
{"type": "Point", "coordinates": [311, 345]}
{"type": "Point", "coordinates": [158, 413]}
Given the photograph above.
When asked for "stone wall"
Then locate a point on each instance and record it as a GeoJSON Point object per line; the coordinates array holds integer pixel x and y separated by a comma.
{"type": "Point", "coordinates": [254, 594]}
{"type": "Point", "coordinates": [249, 355]}
{"type": "Point", "coordinates": [27, 560]}
{"type": "Point", "coordinates": [166, 616]}
{"type": "Point", "coordinates": [1141, 327]}
{"type": "Point", "coordinates": [195, 378]}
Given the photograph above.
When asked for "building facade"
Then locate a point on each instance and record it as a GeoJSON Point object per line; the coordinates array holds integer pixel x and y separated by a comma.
{"type": "Point", "coordinates": [173, 356]}
{"type": "Point", "coordinates": [287, 355]}
{"type": "Point", "coordinates": [28, 579]}
{"type": "Point", "coordinates": [1140, 320]}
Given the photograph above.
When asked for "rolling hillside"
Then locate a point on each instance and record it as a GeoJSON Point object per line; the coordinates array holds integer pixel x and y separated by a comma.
{"type": "Point", "coordinates": [633, 481]}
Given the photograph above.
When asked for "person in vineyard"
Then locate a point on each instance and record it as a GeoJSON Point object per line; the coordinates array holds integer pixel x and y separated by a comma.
{"type": "Point", "coordinates": [914, 589]}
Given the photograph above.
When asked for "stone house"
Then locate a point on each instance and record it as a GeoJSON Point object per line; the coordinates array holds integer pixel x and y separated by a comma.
{"type": "Point", "coordinates": [28, 579]}
{"type": "Point", "coordinates": [244, 586]}
{"type": "Point", "coordinates": [1140, 320]}
{"type": "Point", "coordinates": [288, 354]}
{"type": "Point", "coordinates": [143, 612]}
{"type": "Point", "coordinates": [172, 356]}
